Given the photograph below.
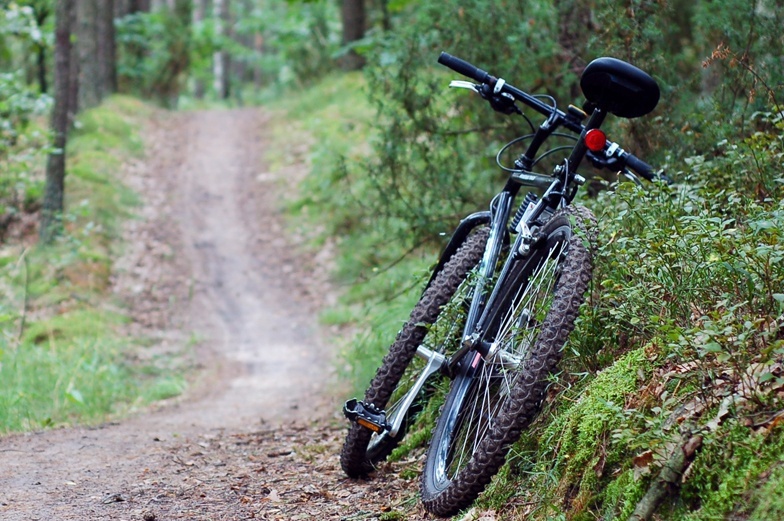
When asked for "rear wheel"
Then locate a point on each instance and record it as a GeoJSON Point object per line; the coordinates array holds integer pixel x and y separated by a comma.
{"type": "Point", "coordinates": [496, 396]}
{"type": "Point", "coordinates": [436, 323]}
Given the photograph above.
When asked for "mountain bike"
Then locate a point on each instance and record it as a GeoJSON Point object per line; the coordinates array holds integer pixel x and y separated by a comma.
{"type": "Point", "coordinates": [503, 297]}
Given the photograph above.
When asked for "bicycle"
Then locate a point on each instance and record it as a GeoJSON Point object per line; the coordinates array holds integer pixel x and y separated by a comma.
{"type": "Point", "coordinates": [503, 297]}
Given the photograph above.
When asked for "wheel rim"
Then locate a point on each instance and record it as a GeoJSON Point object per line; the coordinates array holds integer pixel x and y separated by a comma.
{"type": "Point", "coordinates": [482, 392]}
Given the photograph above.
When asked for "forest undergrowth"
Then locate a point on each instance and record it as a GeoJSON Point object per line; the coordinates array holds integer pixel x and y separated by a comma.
{"type": "Point", "coordinates": [670, 399]}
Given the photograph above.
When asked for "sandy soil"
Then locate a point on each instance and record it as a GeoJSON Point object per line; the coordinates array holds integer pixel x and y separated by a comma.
{"type": "Point", "coordinates": [209, 265]}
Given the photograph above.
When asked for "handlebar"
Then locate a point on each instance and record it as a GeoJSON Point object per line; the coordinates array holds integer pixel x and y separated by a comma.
{"type": "Point", "coordinates": [466, 69]}
{"type": "Point", "coordinates": [475, 73]}
{"type": "Point", "coordinates": [639, 166]}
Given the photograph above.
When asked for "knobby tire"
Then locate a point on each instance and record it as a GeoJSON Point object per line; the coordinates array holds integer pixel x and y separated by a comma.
{"type": "Point", "coordinates": [359, 456]}
{"type": "Point", "coordinates": [451, 481]}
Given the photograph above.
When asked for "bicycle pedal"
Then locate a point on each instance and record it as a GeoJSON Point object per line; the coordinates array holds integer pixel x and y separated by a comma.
{"type": "Point", "coordinates": [367, 415]}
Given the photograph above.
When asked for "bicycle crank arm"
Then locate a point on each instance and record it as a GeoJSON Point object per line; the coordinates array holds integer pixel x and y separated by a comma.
{"type": "Point", "coordinates": [434, 362]}
{"type": "Point", "coordinates": [373, 418]}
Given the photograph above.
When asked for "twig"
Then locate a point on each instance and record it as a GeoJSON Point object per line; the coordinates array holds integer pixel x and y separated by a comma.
{"type": "Point", "coordinates": [668, 478]}
{"type": "Point", "coordinates": [23, 260]}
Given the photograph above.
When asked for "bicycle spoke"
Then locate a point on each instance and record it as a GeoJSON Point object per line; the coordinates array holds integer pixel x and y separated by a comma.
{"type": "Point", "coordinates": [495, 379]}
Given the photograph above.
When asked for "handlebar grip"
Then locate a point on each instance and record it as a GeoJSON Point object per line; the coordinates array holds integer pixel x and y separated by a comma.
{"type": "Point", "coordinates": [640, 166]}
{"type": "Point", "coordinates": [465, 68]}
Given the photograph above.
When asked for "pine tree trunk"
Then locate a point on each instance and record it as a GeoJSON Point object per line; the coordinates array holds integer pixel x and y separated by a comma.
{"type": "Point", "coordinates": [200, 8]}
{"type": "Point", "coordinates": [90, 84]}
{"type": "Point", "coordinates": [353, 15]}
{"type": "Point", "coordinates": [51, 212]}
{"type": "Point", "coordinates": [73, 68]}
{"type": "Point", "coordinates": [107, 49]}
{"type": "Point", "coordinates": [41, 14]}
{"type": "Point", "coordinates": [219, 61]}
{"type": "Point", "coordinates": [136, 6]}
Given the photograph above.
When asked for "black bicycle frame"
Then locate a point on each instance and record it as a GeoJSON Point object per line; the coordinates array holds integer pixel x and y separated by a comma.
{"type": "Point", "coordinates": [561, 188]}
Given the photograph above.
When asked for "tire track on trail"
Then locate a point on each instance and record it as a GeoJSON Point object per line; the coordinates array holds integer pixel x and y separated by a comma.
{"type": "Point", "coordinates": [256, 436]}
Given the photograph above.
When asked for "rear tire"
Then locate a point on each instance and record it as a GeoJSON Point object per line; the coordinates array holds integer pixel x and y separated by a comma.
{"type": "Point", "coordinates": [400, 368]}
{"type": "Point", "coordinates": [494, 398]}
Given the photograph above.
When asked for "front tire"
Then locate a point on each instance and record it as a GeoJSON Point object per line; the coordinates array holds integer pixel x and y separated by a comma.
{"type": "Point", "coordinates": [429, 325]}
{"type": "Point", "coordinates": [493, 398]}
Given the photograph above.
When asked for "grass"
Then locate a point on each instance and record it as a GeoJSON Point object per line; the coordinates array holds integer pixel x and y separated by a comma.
{"type": "Point", "coordinates": [63, 358]}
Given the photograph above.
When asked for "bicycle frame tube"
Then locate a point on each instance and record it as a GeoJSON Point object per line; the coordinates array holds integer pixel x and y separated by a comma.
{"type": "Point", "coordinates": [513, 257]}
{"type": "Point", "coordinates": [490, 258]}
{"type": "Point", "coordinates": [500, 216]}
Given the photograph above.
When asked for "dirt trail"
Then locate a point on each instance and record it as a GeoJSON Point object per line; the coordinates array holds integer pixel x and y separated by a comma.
{"type": "Point", "coordinates": [256, 437]}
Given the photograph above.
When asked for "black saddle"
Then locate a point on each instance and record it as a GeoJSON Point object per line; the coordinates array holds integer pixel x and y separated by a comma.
{"type": "Point", "coordinates": [619, 88]}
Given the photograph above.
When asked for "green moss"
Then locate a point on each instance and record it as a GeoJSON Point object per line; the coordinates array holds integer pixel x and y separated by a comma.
{"type": "Point", "coordinates": [622, 494]}
{"type": "Point", "coordinates": [769, 498]}
{"type": "Point", "coordinates": [569, 462]}
{"type": "Point", "coordinates": [595, 413]}
{"type": "Point", "coordinates": [730, 474]}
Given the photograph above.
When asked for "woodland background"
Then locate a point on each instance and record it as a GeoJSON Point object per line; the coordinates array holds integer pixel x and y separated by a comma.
{"type": "Point", "coordinates": [671, 395]}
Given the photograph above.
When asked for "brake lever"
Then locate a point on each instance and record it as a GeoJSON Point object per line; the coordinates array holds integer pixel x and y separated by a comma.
{"type": "Point", "coordinates": [460, 84]}
{"type": "Point", "coordinates": [629, 175]}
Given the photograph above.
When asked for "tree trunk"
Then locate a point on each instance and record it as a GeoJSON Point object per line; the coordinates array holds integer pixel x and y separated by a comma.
{"type": "Point", "coordinates": [219, 59]}
{"type": "Point", "coordinates": [173, 76]}
{"type": "Point", "coordinates": [107, 49]}
{"type": "Point", "coordinates": [41, 63]}
{"type": "Point", "coordinates": [258, 46]}
{"type": "Point", "coordinates": [90, 78]}
{"type": "Point", "coordinates": [137, 6]}
{"type": "Point", "coordinates": [353, 15]}
{"type": "Point", "coordinates": [51, 212]}
{"type": "Point", "coordinates": [41, 14]}
{"type": "Point", "coordinates": [73, 68]}
{"type": "Point", "coordinates": [200, 9]}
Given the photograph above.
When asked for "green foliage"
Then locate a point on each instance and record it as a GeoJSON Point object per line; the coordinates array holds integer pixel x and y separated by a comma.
{"type": "Point", "coordinates": [25, 29]}
{"type": "Point", "coordinates": [22, 147]}
{"type": "Point", "coordinates": [428, 136]}
{"type": "Point", "coordinates": [300, 40]}
{"type": "Point", "coordinates": [725, 475]}
{"type": "Point", "coordinates": [153, 50]}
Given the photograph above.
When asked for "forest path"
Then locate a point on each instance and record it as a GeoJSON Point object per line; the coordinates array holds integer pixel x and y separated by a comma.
{"type": "Point", "coordinates": [257, 436]}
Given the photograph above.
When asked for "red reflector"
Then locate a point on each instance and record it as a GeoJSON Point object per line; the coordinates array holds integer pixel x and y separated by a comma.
{"type": "Point", "coordinates": [595, 140]}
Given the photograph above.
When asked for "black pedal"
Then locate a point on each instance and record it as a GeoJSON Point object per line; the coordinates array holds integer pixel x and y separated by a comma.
{"type": "Point", "coordinates": [366, 414]}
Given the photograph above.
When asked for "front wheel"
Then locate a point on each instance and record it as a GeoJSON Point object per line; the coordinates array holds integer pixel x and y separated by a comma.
{"type": "Point", "coordinates": [436, 323]}
{"type": "Point", "coordinates": [497, 395]}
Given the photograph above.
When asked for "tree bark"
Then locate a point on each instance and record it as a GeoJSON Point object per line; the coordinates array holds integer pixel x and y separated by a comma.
{"type": "Point", "coordinates": [90, 85]}
{"type": "Point", "coordinates": [137, 6]}
{"type": "Point", "coordinates": [353, 16]}
{"type": "Point", "coordinates": [107, 49]}
{"type": "Point", "coordinates": [52, 209]}
{"type": "Point", "coordinates": [73, 68]}
{"type": "Point", "coordinates": [668, 480]}
{"type": "Point", "coordinates": [200, 9]}
{"type": "Point", "coordinates": [219, 59]}
{"type": "Point", "coordinates": [41, 13]}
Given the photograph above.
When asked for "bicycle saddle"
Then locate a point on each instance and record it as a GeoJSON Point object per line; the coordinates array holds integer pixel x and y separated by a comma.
{"type": "Point", "coordinates": [619, 88]}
